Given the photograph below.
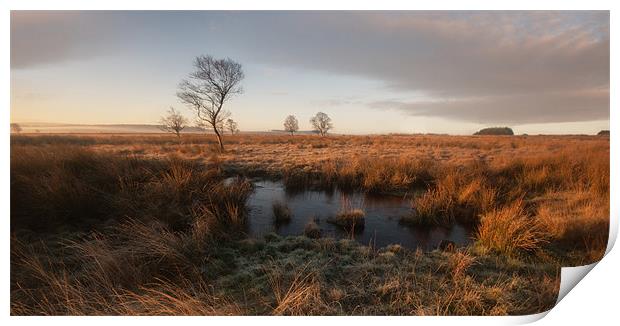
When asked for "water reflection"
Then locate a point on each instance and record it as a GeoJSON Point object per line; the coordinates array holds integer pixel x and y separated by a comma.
{"type": "Point", "coordinates": [382, 215]}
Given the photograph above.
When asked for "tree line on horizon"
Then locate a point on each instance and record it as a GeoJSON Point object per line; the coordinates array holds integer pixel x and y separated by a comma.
{"type": "Point", "coordinates": [174, 122]}
{"type": "Point", "coordinates": [206, 89]}
{"type": "Point", "coordinates": [213, 82]}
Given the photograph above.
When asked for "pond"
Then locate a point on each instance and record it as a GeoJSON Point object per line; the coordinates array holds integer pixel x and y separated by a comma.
{"type": "Point", "coordinates": [382, 225]}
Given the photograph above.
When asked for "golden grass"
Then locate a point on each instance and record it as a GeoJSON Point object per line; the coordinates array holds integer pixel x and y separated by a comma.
{"type": "Point", "coordinates": [60, 293]}
{"type": "Point", "coordinates": [578, 220]}
{"type": "Point", "coordinates": [510, 230]}
{"type": "Point", "coordinates": [353, 216]}
{"type": "Point", "coordinates": [299, 296]}
{"type": "Point", "coordinates": [459, 263]}
{"type": "Point", "coordinates": [349, 218]}
{"type": "Point", "coordinates": [145, 225]}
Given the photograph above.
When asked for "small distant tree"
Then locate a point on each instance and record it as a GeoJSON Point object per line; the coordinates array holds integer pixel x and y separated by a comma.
{"type": "Point", "coordinates": [321, 123]}
{"type": "Point", "coordinates": [209, 86]}
{"type": "Point", "coordinates": [291, 124]}
{"type": "Point", "coordinates": [231, 126]}
{"type": "Point", "coordinates": [174, 122]}
{"type": "Point", "coordinates": [16, 128]}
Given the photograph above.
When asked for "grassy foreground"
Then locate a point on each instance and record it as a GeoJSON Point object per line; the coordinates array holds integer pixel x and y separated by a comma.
{"type": "Point", "coordinates": [125, 225]}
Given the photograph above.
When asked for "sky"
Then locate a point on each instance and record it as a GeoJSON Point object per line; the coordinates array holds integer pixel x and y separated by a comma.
{"type": "Point", "coordinates": [371, 72]}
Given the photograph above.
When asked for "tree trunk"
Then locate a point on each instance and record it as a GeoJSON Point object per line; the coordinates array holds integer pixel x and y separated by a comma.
{"type": "Point", "coordinates": [219, 138]}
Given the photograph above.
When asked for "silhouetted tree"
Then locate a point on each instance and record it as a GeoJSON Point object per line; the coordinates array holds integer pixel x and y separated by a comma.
{"type": "Point", "coordinates": [213, 83]}
{"type": "Point", "coordinates": [205, 126]}
{"type": "Point", "coordinates": [231, 126]}
{"type": "Point", "coordinates": [16, 128]}
{"type": "Point", "coordinates": [173, 122]}
{"type": "Point", "coordinates": [321, 123]}
{"type": "Point", "coordinates": [291, 124]}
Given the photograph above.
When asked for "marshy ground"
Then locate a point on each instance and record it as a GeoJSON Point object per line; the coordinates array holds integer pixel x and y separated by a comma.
{"type": "Point", "coordinates": [148, 225]}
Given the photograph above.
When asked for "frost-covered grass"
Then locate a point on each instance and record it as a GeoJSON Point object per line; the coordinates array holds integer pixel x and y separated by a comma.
{"type": "Point", "coordinates": [143, 225]}
{"type": "Point", "coordinates": [290, 276]}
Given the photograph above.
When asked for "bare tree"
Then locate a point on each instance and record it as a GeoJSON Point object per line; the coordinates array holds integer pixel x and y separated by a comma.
{"type": "Point", "coordinates": [16, 128]}
{"type": "Point", "coordinates": [206, 126]}
{"type": "Point", "coordinates": [173, 122]}
{"type": "Point", "coordinates": [321, 123]}
{"type": "Point", "coordinates": [209, 86]}
{"type": "Point", "coordinates": [231, 126]}
{"type": "Point", "coordinates": [291, 124]}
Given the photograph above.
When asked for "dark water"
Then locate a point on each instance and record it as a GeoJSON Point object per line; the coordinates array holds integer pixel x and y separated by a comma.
{"type": "Point", "coordinates": [382, 225]}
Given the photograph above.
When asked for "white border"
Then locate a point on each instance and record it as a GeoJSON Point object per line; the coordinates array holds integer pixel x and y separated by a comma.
{"type": "Point", "coordinates": [593, 300]}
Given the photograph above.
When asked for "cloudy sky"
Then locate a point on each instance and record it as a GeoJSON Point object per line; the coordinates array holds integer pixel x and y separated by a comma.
{"type": "Point", "coordinates": [372, 72]}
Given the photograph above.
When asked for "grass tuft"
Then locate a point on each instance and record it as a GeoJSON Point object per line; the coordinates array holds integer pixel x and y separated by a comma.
{"type": "Point", "coordinates": [511, 231]}
{"type": "Point", "coordinates": [312, 230]}
{"type": "Point", "coordinates": [281, 212]}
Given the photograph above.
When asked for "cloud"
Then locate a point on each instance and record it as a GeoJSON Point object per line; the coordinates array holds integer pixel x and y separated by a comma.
{"type": "Point", "coordinates": [483, 67]}
{"type": "Point", "coordinates": [474, 66]}
{"type": "Point", "coordinates": [511, 109]}
{"type": "Point", "coordinates": [349, 100]}
{"type": "Point", "coordinates": [39, 38]}
{"type": "Point", "coordinates": [477, 54]}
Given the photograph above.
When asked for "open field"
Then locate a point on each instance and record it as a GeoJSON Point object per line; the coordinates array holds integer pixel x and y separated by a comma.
{"type": "Point", "coordinates": [146, 224]}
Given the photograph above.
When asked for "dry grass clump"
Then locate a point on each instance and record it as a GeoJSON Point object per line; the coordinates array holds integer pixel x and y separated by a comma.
{"type": "Point", "coordinates": [174, 299]}
{"type": "Point", "coordinates": [297, 295]}
{"type": "Point", "coordinates": [131, 269]}
{"type": "Point", "coordinates": [351, 219]}
{"type": "Point", "coordinates": [281, 212]}
{"type": "Point", "coordinates": [459, 195]}
{"type": "Point", "coordinates": [434, 207]}
{"type": "Point", "coordinates": [312, 230]}
{"type": "Point", "coordinates": [363, 173]}
{"type": "Point", "coordinates": [459, 263]}
{"type": "Point", "coordinates": [510, 230]}
{"type": "Point", "coordinates": [577, 221]}
{"type": "Point", "coordinates": [61, 185]}
{"type": "Point", "coordinates": [378, 176]}
{"type": "Point", "coordinates": [72, 187]}
{"type": "Point", "coordinates": [225, 206]}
